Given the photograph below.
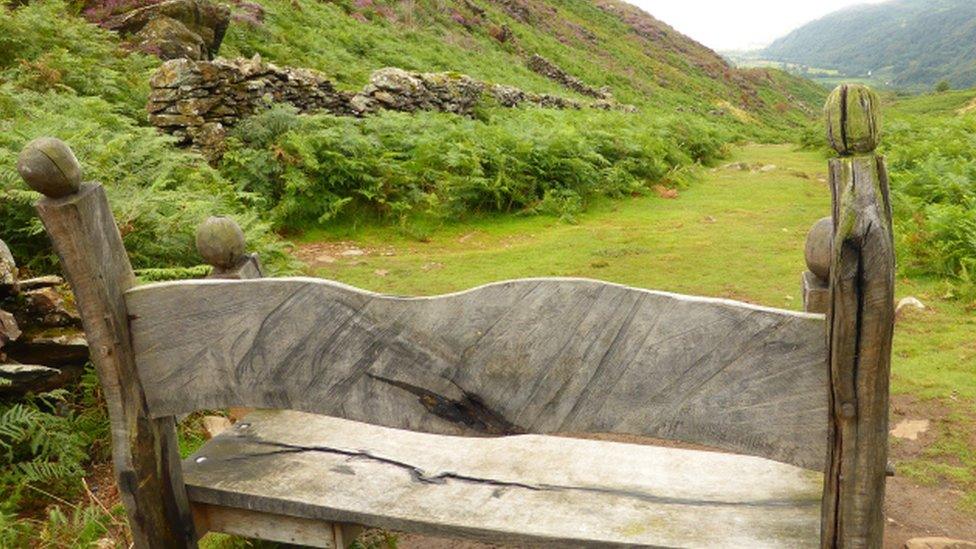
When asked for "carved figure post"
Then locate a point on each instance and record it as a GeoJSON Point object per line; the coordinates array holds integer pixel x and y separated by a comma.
{"type": "Point", "coordinates": [860, 323]}
{"type": "Point", "coordinates": [144, 450]}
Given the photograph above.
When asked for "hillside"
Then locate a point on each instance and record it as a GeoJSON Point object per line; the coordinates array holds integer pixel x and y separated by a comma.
{"type": "Point", "coordinates": [603, 43]}
{"type": "Point", "coordinates": [62, 73]}
{"type": "Point", "coordinates": [85, 72]}
{"type": "Point", "coordinates": [909, 44]}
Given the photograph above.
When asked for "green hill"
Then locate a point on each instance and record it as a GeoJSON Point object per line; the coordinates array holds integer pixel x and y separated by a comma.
{"type": "Point", "coordinates": [62, 74]}
{"type": "Point", "coordinates": [603, 43]}
{"type": "Point", "coordinates": [904, 43]}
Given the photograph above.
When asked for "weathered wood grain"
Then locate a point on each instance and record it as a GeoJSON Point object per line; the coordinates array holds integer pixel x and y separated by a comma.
{"type": "Point", "coordinates": [220, 241]}
{"type": "Point", "coordinates": [539, 356]}
{"type": "Point", "coordinates": [273, 527]}
{"type": "Point", "coordinates": [861, 322]}
{"type": "Point", "coordinates": [853, 119]}
{"type": "Point", "coordinates": [49, 166]}
{"type": "Point", "coordinates": [530, 489]}
{"type": "Point", "coordinates": [144, 449]}
{"type": "Point", "coordinates": [816, 293]}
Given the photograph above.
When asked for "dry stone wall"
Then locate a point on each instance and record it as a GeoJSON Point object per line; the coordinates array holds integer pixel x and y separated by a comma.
{"type": "Point", "coordinates": [550, 70]}
{"type": "Point", "coordinates": [196, 101]}
{"type": "Point", "coordinates": [399, 90]}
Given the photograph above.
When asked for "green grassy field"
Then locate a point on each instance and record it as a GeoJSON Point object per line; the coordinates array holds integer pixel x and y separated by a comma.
{"type": "Point", "coordinates": [946, 104]}
{"type": "Point", "coordinates": [735, 233]}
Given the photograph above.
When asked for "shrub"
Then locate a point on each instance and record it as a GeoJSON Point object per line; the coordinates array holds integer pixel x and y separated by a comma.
{"type": "Point", "coordinates": [47, 439]}
{"type": "Point", "coordinates": [310, 169]}
{"type": "Point", "coordinates": [158, 194]}
{"type": "Point", "coordinates": [64, 77]}
{"type": "Point", "coordinates": [933, 179]}
{"type": "Point", "coordinates": [943, 86]}
{"type": "Point", "coordinates": [931, 152]}
{"type": "Point", "coordinates": [44, 48]}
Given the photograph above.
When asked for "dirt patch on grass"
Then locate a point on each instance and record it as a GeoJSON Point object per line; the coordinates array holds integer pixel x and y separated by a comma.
{"type": "Point", "coordinates": [924, 505]}
{"type": "Point", "coordinates": [916, 511]}
{"type": "Point", "coordinates": [322, 254]}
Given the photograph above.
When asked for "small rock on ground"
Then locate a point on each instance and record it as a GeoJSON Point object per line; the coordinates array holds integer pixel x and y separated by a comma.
{"type": "Point", "coordinates": [908, 303]}
{"type": "Point", "coordinates": [909, 429]}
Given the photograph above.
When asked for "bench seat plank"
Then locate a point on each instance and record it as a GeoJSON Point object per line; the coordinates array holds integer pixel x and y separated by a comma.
{"type": "Point", "coordinates": [525, 489]}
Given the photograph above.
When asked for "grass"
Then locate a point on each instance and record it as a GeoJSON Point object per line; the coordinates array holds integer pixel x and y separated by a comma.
{"type": "Point", "coordinates": [680, 245]}
{"type": "Point", "coordinates": [930, 104]}
{"type": "Point", "coordinates": [735, 233]}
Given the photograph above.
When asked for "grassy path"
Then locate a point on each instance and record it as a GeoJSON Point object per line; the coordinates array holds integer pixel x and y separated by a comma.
{"type": "Point", "coordinates": [736, 234]}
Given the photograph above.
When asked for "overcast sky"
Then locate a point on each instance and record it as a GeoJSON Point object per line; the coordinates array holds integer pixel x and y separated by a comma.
{"type": "Point", "coordinates": [740, 24]}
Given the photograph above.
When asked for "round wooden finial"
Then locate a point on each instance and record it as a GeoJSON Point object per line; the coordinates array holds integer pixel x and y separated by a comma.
{"type": "Point", "coordinates": [49, 167]}
{"type": "Point", "coordinates": [819, 243]}
{"type": "Point", "coordinates": [220, 241]}
{"type": "Point", "coordinates": [853, 120]}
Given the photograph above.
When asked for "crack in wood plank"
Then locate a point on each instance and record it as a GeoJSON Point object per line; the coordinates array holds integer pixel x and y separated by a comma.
{"type": "Point", "coordinates": [418, 474]}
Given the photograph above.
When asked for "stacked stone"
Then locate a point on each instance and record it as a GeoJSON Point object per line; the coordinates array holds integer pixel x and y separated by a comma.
{"type": "Point", "coordinates": [41, 343]}
{"type": "Point", "coordinates": [399, 90]}
{"type": "Point", "coordinates": [550, 70]}
{"type": "Point", "coordinates": [196, 100]}
{"type": "Point", "coordinates": [508, 96]}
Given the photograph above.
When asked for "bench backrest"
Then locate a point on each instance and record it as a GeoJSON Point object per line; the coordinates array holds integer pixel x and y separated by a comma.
{"type": "Point", "coordinates": [526, 356]}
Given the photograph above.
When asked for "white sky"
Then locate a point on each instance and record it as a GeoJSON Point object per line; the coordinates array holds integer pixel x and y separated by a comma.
{"type": "Point", "coordinates": [740, 24]}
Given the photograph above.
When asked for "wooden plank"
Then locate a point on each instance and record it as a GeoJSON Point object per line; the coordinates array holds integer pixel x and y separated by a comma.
{"type": "Point", "coordinates": [273, 527]}
{"type": "Point", "coordinates": [144, 449]}
{"type": "Point", "coordinates": [539, 356]}
{"type": "Point", "coordinates": [861, 322]}
{"type": "Point", "coordinates": [528, 490]}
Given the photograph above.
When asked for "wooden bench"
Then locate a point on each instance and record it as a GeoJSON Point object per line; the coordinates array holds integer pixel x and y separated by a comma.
{"type": "Point", "coordinates": [438, 415]}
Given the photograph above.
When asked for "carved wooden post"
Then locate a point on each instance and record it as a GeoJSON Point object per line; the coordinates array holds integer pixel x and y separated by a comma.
{"type": "Point", "coordinates": [144, 450]}
{"type": "Point", "coordinates": [220, 242]}
{"type": "Point", "coordinates": [860, 323]}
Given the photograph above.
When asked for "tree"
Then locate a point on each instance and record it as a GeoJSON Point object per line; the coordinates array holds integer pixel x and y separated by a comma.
{"type": "Point", "coordinates": [943, 86]}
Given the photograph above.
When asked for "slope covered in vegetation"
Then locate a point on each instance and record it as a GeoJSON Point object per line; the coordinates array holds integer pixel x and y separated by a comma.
{"type": "Point", "coordinates": [904, 43]}
{"type": "Point", "coordinates": [929, 141]}
{"type": "Point", "coordinates": [931, 148]}
{"type": "Point", "coordinates": [63, 75]}
{"type": "Point", "coordinates": [604, 43]}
